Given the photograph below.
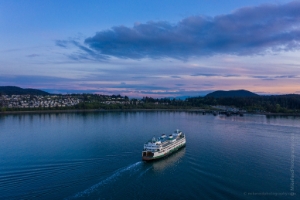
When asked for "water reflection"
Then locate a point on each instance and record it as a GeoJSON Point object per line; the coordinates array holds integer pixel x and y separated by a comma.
{"type": "Point", "coordinates": [283, 116]}
{"type": "Point", "coordinates": [162, 164]}
{"type": "Point", "coordinates": [274, 120]}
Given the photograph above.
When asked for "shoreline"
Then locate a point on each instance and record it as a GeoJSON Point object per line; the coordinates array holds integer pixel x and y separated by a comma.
{"type": "Point", "coordinates": [130, 110]}
{"type": "Point", "coordinates": [94, 110]}
{"type": "Point", "coordinates": [282, 114]}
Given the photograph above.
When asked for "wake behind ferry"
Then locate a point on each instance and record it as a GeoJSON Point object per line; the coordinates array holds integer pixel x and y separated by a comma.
{"type": "Point", "coordinates": [163, 146]}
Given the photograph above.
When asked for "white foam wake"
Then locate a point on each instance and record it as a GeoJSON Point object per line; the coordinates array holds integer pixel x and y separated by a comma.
{"type": "Point", "coordinates": [105, 181]}
{"type": "Point", "coordinates": [144, 172]}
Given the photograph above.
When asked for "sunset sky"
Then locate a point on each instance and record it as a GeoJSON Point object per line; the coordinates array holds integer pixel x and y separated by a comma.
{"type": "Point", "coordinates": [165, 48]}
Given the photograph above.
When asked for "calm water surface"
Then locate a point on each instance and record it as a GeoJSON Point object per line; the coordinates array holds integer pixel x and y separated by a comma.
{"type": "Point", "coordinates": [98, 156]}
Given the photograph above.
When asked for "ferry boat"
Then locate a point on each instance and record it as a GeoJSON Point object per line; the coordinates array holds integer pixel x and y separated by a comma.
{"type": "Point", "coordinates": [163, 146]}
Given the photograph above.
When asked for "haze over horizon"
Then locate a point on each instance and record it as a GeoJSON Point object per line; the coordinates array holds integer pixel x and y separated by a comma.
{"type": "Point", "coordinates": [151, 48]}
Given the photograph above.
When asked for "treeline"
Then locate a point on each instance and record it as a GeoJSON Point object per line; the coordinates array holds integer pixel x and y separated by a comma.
{"type": "Point", "coordinates": [274, 104]}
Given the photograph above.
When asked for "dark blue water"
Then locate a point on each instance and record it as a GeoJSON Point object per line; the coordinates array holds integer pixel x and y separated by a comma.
{"type": "Point", "coordinates": [98, 156]}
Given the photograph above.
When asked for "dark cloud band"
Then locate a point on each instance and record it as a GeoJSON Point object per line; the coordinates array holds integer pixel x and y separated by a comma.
{"type": "Point", "coordinates": [246, 31]}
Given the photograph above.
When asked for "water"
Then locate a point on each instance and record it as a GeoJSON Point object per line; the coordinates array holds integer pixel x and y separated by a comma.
{"type": "Point", "coordinates": [98, 156]}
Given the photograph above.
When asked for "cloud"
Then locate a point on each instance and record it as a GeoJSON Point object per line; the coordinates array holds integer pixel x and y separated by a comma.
{"type": "Point", "coordinates": [268, 79]}
{"type": "Point", "coordinates": [288, 76]}
{"type": "Point", "coordinates": [231, 75]}
{"type": "Point", "coordinates": [33, 55]}
{"type": "Point", "coordinates": [62, 43]}
{"type": "Point", "coordinates": [260, 77]}
{"type": "Point", "coordinates": [208, 75]}
{"type": "Point", "coordinates": [178, 93]}
{"type": "Point", "coordinates": [139, 87]}
{"type": "Point", "coordinates": [145, 77]}
{"type": "Point", "coordinates": [246, 31]}
{"type": "Point", "coordinates": [83, 52]}
{"type": "Point", "coordinates": [274, 77]}
{"type": "Point", "coordinates": [87, 52]}
{"type": "Point", "coordinates": [31, 79]}
{"type": "Point", "coordinates": [217, 75]}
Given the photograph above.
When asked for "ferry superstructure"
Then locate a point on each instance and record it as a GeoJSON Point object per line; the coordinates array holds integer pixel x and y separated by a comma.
{"type": "Point", "coordinates": [163, 146]}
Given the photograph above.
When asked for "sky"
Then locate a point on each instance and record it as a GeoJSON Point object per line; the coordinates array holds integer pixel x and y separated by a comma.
{"type": "Point", "coordinates": [138, 48]}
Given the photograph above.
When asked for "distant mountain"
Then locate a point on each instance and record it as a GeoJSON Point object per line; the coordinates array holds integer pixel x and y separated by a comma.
{"type": "Point", "coordinates": [13, 90]}
{"type": "Point", "coordinates": [232, 93]}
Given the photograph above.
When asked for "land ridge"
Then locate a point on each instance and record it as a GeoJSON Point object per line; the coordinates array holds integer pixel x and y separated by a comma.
{"type": "Point", "coordinates": [231, 93]}
{"type": "Point", "coordinates": [14, 90]}
{"type": "Point", "coordinates": [250, 102]}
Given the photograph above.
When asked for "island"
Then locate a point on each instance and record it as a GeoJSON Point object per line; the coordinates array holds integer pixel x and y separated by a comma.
{"type": "Point", "coordinates": [15, 99]}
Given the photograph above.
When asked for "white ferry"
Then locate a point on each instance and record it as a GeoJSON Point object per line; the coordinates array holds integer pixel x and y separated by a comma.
{"type": "Point", "coordinates": [163, 146]}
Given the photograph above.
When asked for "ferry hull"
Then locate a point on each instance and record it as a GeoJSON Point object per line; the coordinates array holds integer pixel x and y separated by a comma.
{"type": "Point", "coordinates": [159, 156]}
